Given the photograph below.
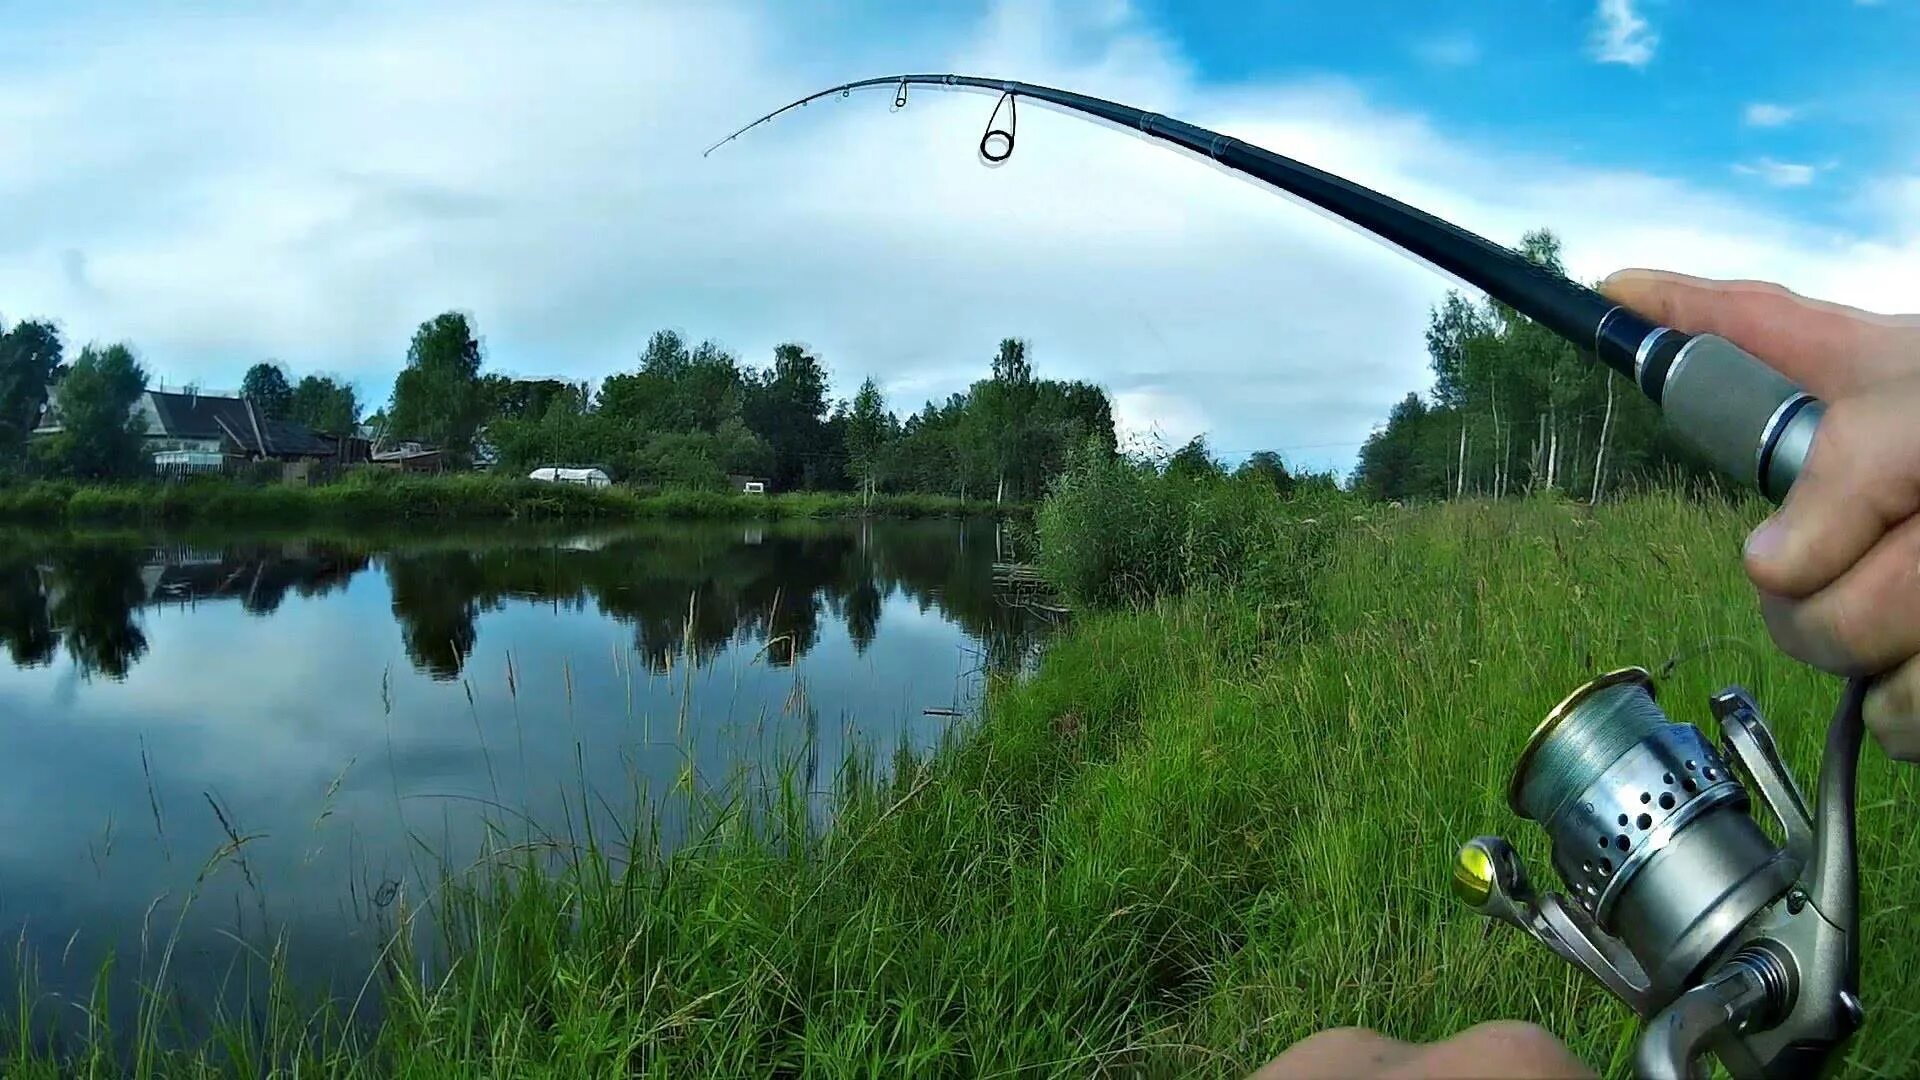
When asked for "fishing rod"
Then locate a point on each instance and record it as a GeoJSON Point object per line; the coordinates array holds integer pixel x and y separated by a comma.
{"type": "Point", "coordinates": [1740, 415]}
{"type": "Point", "coordinates": [1678, 904]}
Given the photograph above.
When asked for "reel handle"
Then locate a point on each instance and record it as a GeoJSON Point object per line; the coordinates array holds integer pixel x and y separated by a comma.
{"type": "Point", "coordinates": [1489, 877]}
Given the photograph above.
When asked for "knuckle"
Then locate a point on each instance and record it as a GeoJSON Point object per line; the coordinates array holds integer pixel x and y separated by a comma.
{"type": "Point", "coordinates": [1763, 288]}
{"type": "Point", "coordinates": [1836, 443]}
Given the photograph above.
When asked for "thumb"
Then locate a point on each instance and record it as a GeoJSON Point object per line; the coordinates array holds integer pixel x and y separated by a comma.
{"type": "Point", "coordinates": [1862, 478]}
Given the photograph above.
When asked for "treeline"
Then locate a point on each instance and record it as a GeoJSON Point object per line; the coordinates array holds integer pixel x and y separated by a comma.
{"type": "Point", "coordinates": [1515, 409]}
{"type": "Point", "coordinates": [328, 405]}
{"type": "Point", "coordinates": [686, 416]}
{"type": "Point", "coordinates": [689, 415]}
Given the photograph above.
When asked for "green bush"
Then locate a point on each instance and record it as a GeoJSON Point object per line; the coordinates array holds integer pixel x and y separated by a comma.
{"type": "Point", "coordinates": [1115, 531]}
{"type": "Point", "coordinates": [40, 501]}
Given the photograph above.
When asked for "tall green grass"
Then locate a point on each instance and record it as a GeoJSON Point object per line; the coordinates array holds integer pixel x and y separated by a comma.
{"type": "Point", "coordinates": [371, 495]}
{"type": "Point", "coordinates": [1204, 828]}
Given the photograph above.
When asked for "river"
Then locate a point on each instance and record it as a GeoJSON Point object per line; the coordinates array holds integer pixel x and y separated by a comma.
{"type": "Point", "coordinates": [217, 743]}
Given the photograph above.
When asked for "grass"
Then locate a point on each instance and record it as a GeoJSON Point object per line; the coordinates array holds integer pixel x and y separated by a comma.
{"type": "Point", "coordinates": [1204, 829]}
{"type": "Point", "coordinates": [375, 496]}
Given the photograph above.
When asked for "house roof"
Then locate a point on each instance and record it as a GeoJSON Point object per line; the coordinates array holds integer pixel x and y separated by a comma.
{"type": "Point", "coordinates": [201, 416]}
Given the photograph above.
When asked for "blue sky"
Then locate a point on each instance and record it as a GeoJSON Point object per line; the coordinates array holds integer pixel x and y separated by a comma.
{"type": "Point", "coordinates": [1680, 87]}
{"type": "Point", "coordinates": [219, 186]}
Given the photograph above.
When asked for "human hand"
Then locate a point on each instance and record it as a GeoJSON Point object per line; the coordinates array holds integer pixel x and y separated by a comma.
{"type": "Point", "coordinates": [1502, 1050]}
{"type": "Point", "coordinates": [1838, 565]}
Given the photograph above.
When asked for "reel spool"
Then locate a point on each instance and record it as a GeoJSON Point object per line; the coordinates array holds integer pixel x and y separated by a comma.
{"type": "Point", "coordinates": [1676, 901]}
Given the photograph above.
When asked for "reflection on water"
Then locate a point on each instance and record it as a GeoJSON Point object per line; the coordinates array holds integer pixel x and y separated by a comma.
{"type": "Point", "coordinates": [674, 586]}
{"type": "Point", "coordinates": [343, 703]}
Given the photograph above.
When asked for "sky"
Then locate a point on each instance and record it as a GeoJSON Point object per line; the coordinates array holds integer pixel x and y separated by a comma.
{"type": "Point", "coordinates": [217, 186]}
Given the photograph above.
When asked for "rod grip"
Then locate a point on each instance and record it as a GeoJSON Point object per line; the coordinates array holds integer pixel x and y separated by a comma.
{"type": "Point", "coordinates": [1744, 418]}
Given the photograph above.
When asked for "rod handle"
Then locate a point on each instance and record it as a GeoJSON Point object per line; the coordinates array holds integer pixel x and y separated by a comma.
{"type": "Point", "coordinates": [1744, 418]}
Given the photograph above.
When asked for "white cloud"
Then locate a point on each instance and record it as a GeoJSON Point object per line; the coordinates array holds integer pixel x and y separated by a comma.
{"type": "Point", "coordinates": [1766, 114]}
{"type": "Point", "coordinates": [222, 191]}
{"type": "Point", "coordinates": [1784, 174]}
{"type": "Point", "coordinates": [1449, 50]}
{"type": "Point", "coordinates": [1622, 36]}
{"type": "Point", "coordinates": [1156, 419]}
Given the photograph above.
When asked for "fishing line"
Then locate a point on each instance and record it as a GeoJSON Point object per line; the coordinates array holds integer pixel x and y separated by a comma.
{"type": "Point", "coordinates": [1588, 740]}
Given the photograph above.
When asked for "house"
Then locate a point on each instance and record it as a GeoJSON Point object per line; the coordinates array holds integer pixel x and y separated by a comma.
{"type": "Point", "coordinates": [193, 429]}
{"type": "Point", "coordinates": [187, 431]}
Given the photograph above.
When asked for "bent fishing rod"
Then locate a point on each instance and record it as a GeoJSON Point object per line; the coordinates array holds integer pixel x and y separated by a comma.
{"type": "Point", "coordinates": [1678, 904]}
{"type": "Point", "coordinates": [1740, 415]}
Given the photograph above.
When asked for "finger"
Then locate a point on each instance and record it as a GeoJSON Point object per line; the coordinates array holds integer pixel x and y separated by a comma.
{"type": "Point", "coordinates": [1892, 711]}
{"type": "Point", "coordinates": [1501, 1050]}
{"type": "Point", "coordinates": [1861, 478]}
{"type": "Point", "coordinates": [1828, 349]}
{"type": "Point", "coordinates": [1867, 621]}
{"type": "Point", "coordinates": [1336, 1053]}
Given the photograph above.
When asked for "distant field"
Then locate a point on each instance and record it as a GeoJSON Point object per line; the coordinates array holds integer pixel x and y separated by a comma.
{"type": "Point", "coordinates": [1202, 830]}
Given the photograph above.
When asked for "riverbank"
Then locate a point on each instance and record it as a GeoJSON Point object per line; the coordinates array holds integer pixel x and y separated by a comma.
{"type": "Point", "coordinates": [1201, 830]}
{"type": "Point", "coordinates": [385, 498]}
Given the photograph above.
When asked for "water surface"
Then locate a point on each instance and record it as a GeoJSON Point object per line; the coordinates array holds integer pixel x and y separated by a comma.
{"type": "Point", "coordinates": [211, 740]}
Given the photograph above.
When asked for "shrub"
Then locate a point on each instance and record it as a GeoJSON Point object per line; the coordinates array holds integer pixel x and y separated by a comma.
{"type": "Point", "coordinates": [1117, 531]}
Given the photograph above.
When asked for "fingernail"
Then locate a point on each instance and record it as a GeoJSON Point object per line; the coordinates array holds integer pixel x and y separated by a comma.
{"type": "Point", "coordinates": [1768, 542]}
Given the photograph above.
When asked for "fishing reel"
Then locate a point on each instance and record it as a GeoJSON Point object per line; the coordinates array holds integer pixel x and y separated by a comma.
{"type": "Point", "coordinates": [1719, 938]}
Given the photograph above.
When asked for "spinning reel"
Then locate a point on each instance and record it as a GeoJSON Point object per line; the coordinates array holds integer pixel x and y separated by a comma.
{"type": "Point", "coordinates": [1677, 902]}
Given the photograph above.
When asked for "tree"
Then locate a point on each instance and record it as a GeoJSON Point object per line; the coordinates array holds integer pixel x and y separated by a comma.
{"type": "Point", "coordinates": [30, 360]}
{"type": "Point", "coordinates": [1390, 462]}
{"type": "Point", "coordinates": [325, 405]}
{"type": "Point", "coordinates": [1266, 467]}
{"type": "Point", "coordinates": [676, 388]}
{"type": "Point", "coordinates": [787, 406]}
{"type": "Point", "coordinates": [437, 398]}
{"type": "Point", "coordinates": [1006, 411]}
{"type": "Point", "coordinates": [522, 399]}
{"type": "Point", "coordinates": [1515, 408]}
{"type": "Point", "coordinates": [869, 428]}
{"type": "Point", "coordinates": [1194, 461]}
{"type": "Point", "coordinates": [1064, 417]}
{"type": "Point", "coordinates": [265, 385]}
{"type": "Point", "coordinates": [101, 431]}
